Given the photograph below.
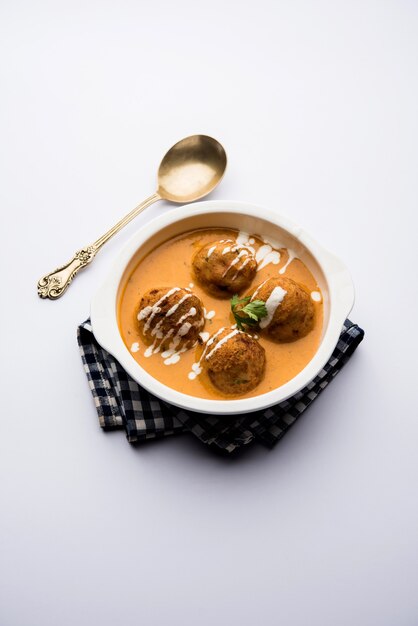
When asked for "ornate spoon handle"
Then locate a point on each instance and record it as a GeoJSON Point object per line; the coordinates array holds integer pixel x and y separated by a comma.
{"type": "Point", "coordinates": [54, 284]}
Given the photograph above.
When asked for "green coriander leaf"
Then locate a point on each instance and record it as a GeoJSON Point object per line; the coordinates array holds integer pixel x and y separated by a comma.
{"type": "Point", "coordinates": [256, 309]}
{"type": "Point", "coordinates": [246, 312]}
{"type": "Point", "coordinates": [236, 300]}
{"type": "Point", "coordinates": [251, 315]}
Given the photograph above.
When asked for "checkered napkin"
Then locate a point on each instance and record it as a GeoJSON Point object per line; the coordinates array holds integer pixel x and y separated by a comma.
{"type": "Point", "coordinates": [122, 403]}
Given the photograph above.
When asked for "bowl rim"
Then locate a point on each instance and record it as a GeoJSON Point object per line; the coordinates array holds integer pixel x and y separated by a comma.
{"type": "Point", "coordinates": [103, 310]}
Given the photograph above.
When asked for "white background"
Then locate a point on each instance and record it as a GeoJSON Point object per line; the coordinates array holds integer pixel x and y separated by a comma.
{"type": "Point", "coordinates": [316, 104]}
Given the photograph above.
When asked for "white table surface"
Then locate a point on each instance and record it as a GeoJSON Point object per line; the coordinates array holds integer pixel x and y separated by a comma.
{"type": "Point", "coordinates": [316, 104]}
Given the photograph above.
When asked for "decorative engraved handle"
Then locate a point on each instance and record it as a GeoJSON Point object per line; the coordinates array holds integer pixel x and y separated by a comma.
{"type": "Point", "coordinates": [53, 285]}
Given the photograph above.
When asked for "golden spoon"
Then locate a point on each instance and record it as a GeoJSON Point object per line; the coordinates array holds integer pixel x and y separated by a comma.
{"type": "Point", "coordinates": [190, 170]}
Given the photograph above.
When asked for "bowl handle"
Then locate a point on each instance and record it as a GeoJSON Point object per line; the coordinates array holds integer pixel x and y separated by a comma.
{"type": "Point", "coordinates": [344, 286]}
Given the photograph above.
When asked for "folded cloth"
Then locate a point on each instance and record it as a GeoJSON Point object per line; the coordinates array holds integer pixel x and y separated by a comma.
{"type": "Point", "coordinates": [122, 403]}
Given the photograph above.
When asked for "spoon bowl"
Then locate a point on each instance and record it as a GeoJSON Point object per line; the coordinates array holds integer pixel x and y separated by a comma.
{"type": "Point", "coordinates": [191, 169]}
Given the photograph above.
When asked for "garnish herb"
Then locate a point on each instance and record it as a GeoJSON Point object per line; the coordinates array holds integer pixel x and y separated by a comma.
{"type": "Point", "coordinates": [246, 311]}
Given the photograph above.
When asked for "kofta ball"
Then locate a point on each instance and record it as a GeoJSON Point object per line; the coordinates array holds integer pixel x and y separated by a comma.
{"type": "Point", "coordinates": [170, 318]}
{"type": "Point", "coordinates": [224, 267]}
{"type": "Point", "coordinates": [234, 361]}
{"type": "Point", "coordinates": [290, 311]}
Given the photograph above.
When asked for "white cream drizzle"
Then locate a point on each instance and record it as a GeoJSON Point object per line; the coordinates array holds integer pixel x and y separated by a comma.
{"type": "Point", "coordinates": [196, 367]}
{"type": "Point", "coordinates": [221, 342]}
{"type": "Point", "coordinates": [171, 355]}
{"type": "Point", "coordinates": [156, 330]}
{"type": "Point", "coordinates": [204, 336]}
{"type": "Point", "coordinates": [272, 257]}
{"type": "Point", "coordinates": [214, 247]}
{"type": "Point", "coordinates": [292, 256]}
{"type": "Point", "coordinates": [150, 350]}
{"type": "Point", "coordinates": [190, 313]}
{"type": "Point", "coordinates": [242, 245]}
{"type": "Point", "coordinates": [244, 238]}
{"type": "Point", "coordinates": [196, 370]}
{"type": "Point", "coordinates": [211, 250]}
{"type": "Point", "coordinates": [155, 347]}
{"type": "Point", "coordinates": [247, 260]}
{"type": "Point", "coordinates": [262, 252]}
{"type": "Point", "coordinates": [184, 329]}
{"type": "Point", "coordinates": [242, 253]}
{"type": "Point", "coordinates": [253, 297]}
{"type": "Point", "coordinates": [316, 296]}
{"type": "Point", "coordinates": [209, 314]}
{"type": "Point", "coordinates": [135, 347]}
{"type": "Point", "coordinates": [273, 301]}
{"type": "Point", "coordinates": [151, 311]}
{"type": "Point", "coordinates": [176, 306]}
{"type": "Point", "coordinates": [265, 255]}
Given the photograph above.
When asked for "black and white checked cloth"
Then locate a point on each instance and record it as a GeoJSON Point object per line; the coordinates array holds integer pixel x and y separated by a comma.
{"type": "Point", "coordinates": [122, 403]}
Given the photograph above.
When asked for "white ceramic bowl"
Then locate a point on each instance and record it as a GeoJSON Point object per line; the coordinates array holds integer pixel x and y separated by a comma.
{"type": "Point", "coordinates": [332, 276]}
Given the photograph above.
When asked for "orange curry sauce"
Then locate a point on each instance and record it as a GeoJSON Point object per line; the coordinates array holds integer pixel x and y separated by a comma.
{"type": "Point", "coordinates": [170, 265]}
